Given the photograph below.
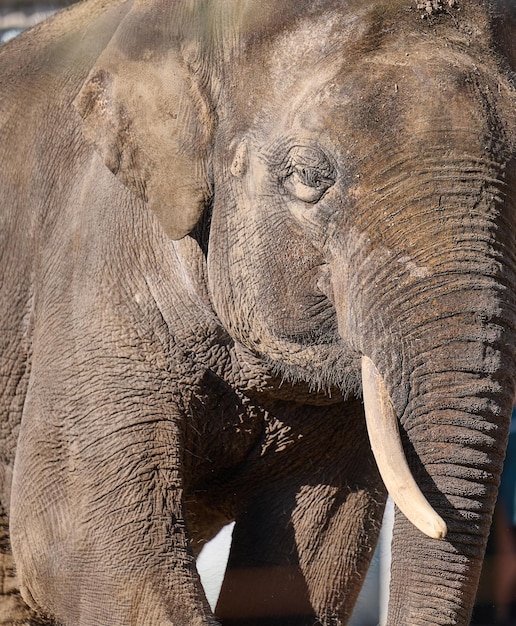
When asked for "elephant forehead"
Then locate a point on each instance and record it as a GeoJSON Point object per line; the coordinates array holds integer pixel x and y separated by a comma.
{"type": "Point", "coordinates": [389, 97]}
{"type": "Point", "coordinates": [294, 56]}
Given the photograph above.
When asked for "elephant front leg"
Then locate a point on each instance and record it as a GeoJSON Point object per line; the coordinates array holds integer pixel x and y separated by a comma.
{"type": "Point", "coordinates": [13, 610]}
{"type": "Point", "coordinates": [301, 549]}
{"type": "Point", "coordinates": [336, 544]}
{"type": "Point", "coordinates": [97, 521]}
{"type": "Point", "coordinates": [264, 584]}
{"type": "Point", "coordinates": [302, 564]}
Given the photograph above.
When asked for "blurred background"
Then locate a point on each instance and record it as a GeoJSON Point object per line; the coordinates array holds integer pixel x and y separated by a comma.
{"type": "Point", "coordinates": [17, 15]}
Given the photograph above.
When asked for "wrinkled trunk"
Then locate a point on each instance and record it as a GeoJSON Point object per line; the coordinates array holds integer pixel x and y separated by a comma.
{"type": "Point", "coordinates": [454, 429]}
{"type": "Point", "coordinates": [439, 327]}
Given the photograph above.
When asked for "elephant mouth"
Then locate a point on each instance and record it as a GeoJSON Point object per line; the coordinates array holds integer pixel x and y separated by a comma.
{"type": "Point", "coordinates": [384, 436]}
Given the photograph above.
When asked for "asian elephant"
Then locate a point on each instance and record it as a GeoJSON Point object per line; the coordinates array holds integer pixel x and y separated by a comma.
{"type": "Point", "coordinates": [227, 226]}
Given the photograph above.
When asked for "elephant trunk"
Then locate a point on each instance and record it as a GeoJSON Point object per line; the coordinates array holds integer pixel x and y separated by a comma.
{"type": "Point", "coordinates": [433, 310]}
{"type": "Point", "coordinates": [440, 459]}
{"type": "Point", "coordinates": [453, 435]}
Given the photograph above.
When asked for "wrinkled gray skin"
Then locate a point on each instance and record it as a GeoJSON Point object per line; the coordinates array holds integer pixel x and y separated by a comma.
{"type": "Point", "coordinates": [209, 212]}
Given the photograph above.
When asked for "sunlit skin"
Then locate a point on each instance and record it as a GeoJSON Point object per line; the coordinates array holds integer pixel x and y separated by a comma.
{"type": "Point", "coordinates": [226, 227]}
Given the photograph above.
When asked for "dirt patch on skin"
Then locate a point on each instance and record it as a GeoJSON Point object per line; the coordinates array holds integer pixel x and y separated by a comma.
{"type": "Point", "coordinates": [431, 7]}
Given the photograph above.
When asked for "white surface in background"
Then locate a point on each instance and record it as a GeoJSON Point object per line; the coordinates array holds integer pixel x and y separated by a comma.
{"type": "Point", "coordinates": [385, 559]}
{"type": "Point", "coordinates": [367, 607]}
{"type": "Point", "coordinates": [212, 561]}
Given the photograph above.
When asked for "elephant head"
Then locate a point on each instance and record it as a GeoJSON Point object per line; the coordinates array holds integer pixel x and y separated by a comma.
{"type": "Point", "coordinates": [354, 162]}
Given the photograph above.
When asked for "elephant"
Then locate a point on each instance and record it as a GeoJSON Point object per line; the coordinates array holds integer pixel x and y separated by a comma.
{"type": "Point", "coordinates": [258, 265]}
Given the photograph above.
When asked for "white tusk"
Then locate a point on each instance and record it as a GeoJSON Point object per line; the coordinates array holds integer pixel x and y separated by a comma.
{"type": "Point", "coordinates": [384, 435]}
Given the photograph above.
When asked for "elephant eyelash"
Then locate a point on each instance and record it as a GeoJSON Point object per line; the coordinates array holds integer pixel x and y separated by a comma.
{"type": "Point", "coordinates": [313, 177]}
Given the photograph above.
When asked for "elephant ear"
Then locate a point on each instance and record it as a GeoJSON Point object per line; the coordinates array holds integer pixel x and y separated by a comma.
{"type": "Point", "coordinates": [145, 108]}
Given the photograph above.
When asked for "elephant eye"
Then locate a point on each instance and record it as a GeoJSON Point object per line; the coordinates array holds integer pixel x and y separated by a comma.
{"type": "Point", "coordinates": [307, 184]}
{"type": "Point", "coordinates": [308, 174]}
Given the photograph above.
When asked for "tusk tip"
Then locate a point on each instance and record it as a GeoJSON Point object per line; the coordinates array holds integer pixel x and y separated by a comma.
{"type": "Point", "coordinates": [441, 530]}
{"type": "Point", "coordinates": [435, 528]}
